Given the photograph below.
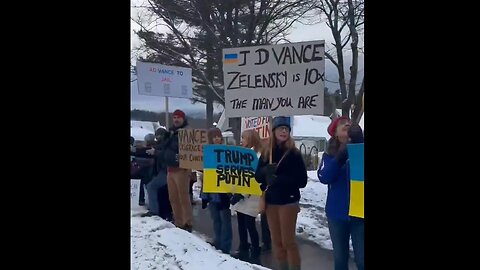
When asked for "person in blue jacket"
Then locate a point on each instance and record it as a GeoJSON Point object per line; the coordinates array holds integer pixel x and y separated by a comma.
{"type": "Point", "coordinates": [219, 206]}
{"type": "Point", "coordinates": [334, 172]}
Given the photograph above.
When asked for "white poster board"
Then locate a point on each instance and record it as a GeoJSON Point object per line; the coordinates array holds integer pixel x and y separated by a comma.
{"type": "Point", "coordinates": [259, 124]}
{"type": "Point", "coordinates": [165, 81]}
{"type": "Point", "coordinates": [134, 193]}
{"type": "Point", "coordinates": [274, 80]}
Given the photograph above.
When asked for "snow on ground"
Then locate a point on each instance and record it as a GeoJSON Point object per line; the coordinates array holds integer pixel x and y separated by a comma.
{"type": "Point", "coordinates": [312, 222]}
{"type": "Point", "coordinates": [157, 244]}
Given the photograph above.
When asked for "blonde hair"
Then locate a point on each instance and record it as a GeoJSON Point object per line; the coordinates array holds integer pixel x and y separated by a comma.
{"type": "Point", "coordinates": [252, 140]}
{"type": "Point", "coordinates": [289, 144]}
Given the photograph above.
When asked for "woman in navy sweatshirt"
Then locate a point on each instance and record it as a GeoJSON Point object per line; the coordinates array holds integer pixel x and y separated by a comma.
{"type": "Point", "coordinates": [281, 181]}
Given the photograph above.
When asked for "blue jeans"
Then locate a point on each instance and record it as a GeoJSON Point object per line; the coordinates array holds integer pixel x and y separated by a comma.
{"type": "Point", "coordinates": [152, 188]}
{"type": "Point", "coordinates": [222, 226]}
{"type": "Point", "coordinates": [340, 232]}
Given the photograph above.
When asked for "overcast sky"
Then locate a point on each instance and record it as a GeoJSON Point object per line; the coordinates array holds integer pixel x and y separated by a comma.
{"type": "Point", "coordinates": [298, 33]}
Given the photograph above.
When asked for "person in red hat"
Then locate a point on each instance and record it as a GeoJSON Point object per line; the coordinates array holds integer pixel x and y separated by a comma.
{"type": "Point", "coordinates": [334, 172]}
{"type": "Point", "coordinates": [178, 179]}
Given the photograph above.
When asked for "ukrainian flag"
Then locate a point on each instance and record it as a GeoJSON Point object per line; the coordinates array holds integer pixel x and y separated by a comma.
{"type": "Point", "coordinates": [210, 174]}
{"type": "Point", "coordinates": [230, 58]}
{"type": "Point", "coordinates": [357, 186]}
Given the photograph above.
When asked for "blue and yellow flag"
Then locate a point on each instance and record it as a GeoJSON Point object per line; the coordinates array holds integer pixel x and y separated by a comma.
{"type": "Point", "coordinates": [356, 154]}
{"type": "Point", "coordinates": [230, 58]}
{"type": "Point", "coordinates": [229, 169]}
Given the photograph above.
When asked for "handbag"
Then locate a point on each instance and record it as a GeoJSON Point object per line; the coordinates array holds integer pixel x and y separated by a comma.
{"type": "Point", "coordinates": [134, 170]}
{"type": "Point", "coordinates": [262, 205]}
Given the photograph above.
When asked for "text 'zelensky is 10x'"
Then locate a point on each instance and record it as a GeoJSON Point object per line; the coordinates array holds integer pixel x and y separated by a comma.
{"type": "Point", "coordinates": [271, 80]}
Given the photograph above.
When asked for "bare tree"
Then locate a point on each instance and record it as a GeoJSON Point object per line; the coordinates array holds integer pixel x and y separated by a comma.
{"type": "Point", "coordinates": [345, 20]}
{"type": "Point", "coordinates": [198, 30]}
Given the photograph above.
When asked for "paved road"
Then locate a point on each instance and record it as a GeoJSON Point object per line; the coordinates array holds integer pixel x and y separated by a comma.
{"type": "Point", "coordinates": [313, 256]}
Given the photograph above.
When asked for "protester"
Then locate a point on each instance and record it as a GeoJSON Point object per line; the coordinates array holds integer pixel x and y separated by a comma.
{"type": "Point", "coordinates": [219, 206]}
{"type": "Point", "coordinates": [281, 182]}
{"type": "Point", "coordinates": [135, 169]}
{"type": "Point", "coordinates": [178, 179]}
{"type": "Point", "coordinates": [246, 206]}
{"type": "Point", "coordinates": [146, 164]}
{"type": "Point", "coordinates": [334, 172]}
{"type": "Point", "coordinates": [159, 204]}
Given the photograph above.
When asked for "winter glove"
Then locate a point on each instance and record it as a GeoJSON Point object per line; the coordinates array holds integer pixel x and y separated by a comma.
{"type": "Point", "coordinates": [356, 134]}
{"type": "Point", "coordinates": [342, 155]}
{"type": "Point", "coordinates": [236, 198]}
{"type": "Point", "coordinates": [204, 203]}
{"type": "Point", "coordinates": [269, 171]}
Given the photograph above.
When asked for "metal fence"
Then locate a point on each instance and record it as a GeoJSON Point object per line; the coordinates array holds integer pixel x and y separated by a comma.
{"type": "Point", "coordinates": [310, 154]}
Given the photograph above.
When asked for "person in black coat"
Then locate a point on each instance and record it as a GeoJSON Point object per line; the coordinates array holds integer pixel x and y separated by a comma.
{"type": "Point", "coordinates": [146, 163]}
{"type": "Point", "coordinates": [159, 203]}
{"type": "Point", "coordinates": [281, 182]}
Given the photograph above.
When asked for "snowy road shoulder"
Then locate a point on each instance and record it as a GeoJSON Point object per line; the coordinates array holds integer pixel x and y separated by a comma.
{"type": "Point", "coordinates": [157, 244]}
{"type": "Point", "coordinates": [312, 222]}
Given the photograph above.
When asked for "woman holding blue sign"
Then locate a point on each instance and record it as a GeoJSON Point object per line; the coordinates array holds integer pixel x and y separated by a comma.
{"type": "Point", "coordinates": [281, 173]}
{"type": "Point", "coordinates": [246, 206]}
{"type": "Point", "coordinates": [334, 172]}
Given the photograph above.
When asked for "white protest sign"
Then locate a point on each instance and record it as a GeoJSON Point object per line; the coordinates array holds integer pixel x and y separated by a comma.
{"type": "Point", "coordinates": [259, 124]}
{"type": "Point", "coordinates": [274, 80]}
{"type": "Point", "coordinates": [165, 81]}
{"type": "Point", "coordinates": [134, 193]}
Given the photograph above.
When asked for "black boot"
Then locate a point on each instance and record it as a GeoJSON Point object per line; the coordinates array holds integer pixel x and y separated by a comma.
{"type": "Point", "coordinates": [266, 247]}
{"type": "Point", "coordinates": [187, 228]}
{"type": "Point", "coordinates": [148, 214]}
{"type": "Point", "coordinates": [255, 252]}
{"type": "Point", "coordinates": [242, 253]}
{"type": "Point", "coordinates": [255, 255]}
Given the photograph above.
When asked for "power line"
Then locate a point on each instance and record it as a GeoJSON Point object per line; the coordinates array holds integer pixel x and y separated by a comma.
{"type": "Point", "coordinates": [339, 82]}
